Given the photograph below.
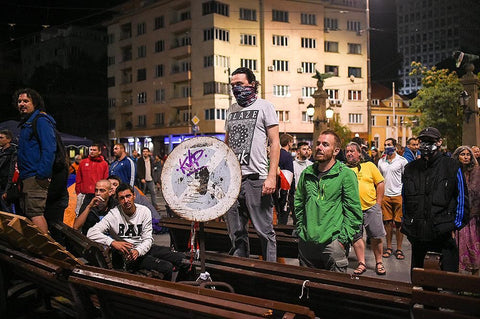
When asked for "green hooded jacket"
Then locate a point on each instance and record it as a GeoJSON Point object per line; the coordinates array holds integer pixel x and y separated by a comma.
{"type": "Point", "coordinates": [328, 208]}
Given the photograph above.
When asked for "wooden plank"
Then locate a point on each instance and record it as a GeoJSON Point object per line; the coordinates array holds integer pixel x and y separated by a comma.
{"type": "Point", "coordinates": [446, 280]}
{"type": "Point", "coordinates": [449, 300]}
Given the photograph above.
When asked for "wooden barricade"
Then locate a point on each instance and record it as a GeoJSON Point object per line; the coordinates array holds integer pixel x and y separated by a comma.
{"type": "Point", "coordinates": [440, 294]}
{"type": "Point", "coordinates": [330, 295]}
{"type": "Point", "coordinates": [216, 237]}
{"type": "Point", "coordinates": [126, 295]}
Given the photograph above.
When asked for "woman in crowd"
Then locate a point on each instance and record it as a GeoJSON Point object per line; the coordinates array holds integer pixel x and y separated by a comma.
{"type": "Point", "coordinates": [468, 238]}
{"type": "Point", "coordinates": [375, 155]}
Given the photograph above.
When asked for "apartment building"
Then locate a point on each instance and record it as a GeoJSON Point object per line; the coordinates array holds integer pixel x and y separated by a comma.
{"type": "Point", "coordinates": [428, 31]}
{"type": "Point", "coordinates": [169, 62]}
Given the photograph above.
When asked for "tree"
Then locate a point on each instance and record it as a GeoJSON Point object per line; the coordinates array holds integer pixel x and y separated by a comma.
{"type": "Point", "coordinates": [438, 103]}
{"type": "Point", "coordinates": [342, 131]}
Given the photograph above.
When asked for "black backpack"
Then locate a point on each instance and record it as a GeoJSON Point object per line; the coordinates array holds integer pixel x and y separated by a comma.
{"type": "Point", "coordinates": [58, 184]}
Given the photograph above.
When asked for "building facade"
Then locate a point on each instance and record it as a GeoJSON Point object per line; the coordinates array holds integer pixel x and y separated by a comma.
{"type": "Point", "coordinates": [170, 61]}
{"type": "Point", "coordinates": [429, 31]}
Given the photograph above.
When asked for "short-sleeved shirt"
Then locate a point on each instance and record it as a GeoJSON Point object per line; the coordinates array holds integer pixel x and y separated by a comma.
{"type": "Point", "coordinates": [247, 135]}
{"type": "Point", "coordinates": [368, 177]}
{"type": "Point", "coordinates": [392, 172]}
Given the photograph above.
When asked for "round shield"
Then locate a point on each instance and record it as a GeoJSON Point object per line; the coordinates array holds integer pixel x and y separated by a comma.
{"type": "Point", "coordinates": [201, 179]}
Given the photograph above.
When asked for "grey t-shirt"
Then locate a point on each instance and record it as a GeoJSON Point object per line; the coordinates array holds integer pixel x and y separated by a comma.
{"type": "Point", "coordinates": [247, 135]}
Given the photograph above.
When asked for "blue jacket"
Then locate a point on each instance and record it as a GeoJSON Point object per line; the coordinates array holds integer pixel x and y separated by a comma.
{"type": "Point", "coordinates": [33, 161]}
{"type": "Point", "coordinates": [125, 169]}
{"type": "Point", "coordinates": [409, 156]}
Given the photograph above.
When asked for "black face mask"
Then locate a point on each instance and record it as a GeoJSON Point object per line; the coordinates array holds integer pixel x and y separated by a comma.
{"type": "Point", "coordinates": [427, 149]}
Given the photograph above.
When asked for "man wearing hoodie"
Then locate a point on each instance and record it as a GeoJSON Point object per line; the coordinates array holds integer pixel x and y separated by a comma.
{"type": "Point", "coordinates": [41, 201]}
{"type": "Point", "coordinates": [90, 171]}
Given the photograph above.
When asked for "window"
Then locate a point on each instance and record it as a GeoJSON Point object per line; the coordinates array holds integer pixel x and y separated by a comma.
{"type": "Point", "coordinates": [159, 119]}
{"type": "Point", "coordinates": [222, 61]}
{"type": "Point", "coordinates": [280, 16]}
{"type": "Point", "coordinates": [111, 60]}
{"type": "Point", "coordinates": [280, 40]}
{"type": "Point", "coordinates": [353, 26]}
{"type": "Point", "coordinates": [356, 72]}
{"type": "Point", "coordinates": [333, 69]}
{"type": "Point", "coordinates": [125, 31]}
{"type": "Point", "coordinates": [388, 120]}
{"type": "Point", "coordinates": [112, 102]}
{"type": "Point", "coordinates": [142, 51]}
{"type": "Point", "coordinates": [248, 14]}
{"type": "Point", "coordinates": [207, 61]}
{"type": "Point", "coordinates": [283, 116]}
{"type": "Point", "coordinates": [307, 91]}
{"type": "Point", "coordinates": [281, 90]}
{"type": "Point", "coordinates": [375, 102]}
{"type": "Point", "coordinates": [374, 120]}
{"type": "Point", "coordinates": [215, 88]}
{"type": "Point", "coordinates": [280, 65]}
{"type": "Point", "coordinates": [159, 70]}
{"type": "Point", "coordinates": [160, 95]}
{"type": "Point", "coordinates": [332, 94]}
{"type": "Point", "coordinates": [127, 76]}
{"type": "Point", "coordinates": [309, 43]}
{"type": "Point", "coordinates": [141, 74]}
{"type": "Point", "coordinates": [141, 28]}
{"type": "Point", "coordinates": [160, 46]}
{"type": "Point", "coordinates": [142, 121]}
{"type": "Point", "coordinates": [354, 118]}
{"type": "Point", "coordinates": [159, 22]}
{"type": "Point", "coordinates": [330, 24]}
{"type": "Point", "coordinates": [218, 34]}
{"type": "Point", "coordinates": [308, 67]}
{"type": "Point", "coordinates": [354, 95]}
{"type": "Point", "coordinates": [111, 124]}
{"type": "Point", "coordinates": [249, 63]}
{"type": "Point", "coordinates": [331, 46]}
{"type": "Point", "coordinates": [306, 118]}
{"type": "Point", "coordinates": [308, 18]}
{"type": "Point", "coordinates": [182, 40]}
{"type": "Point", "coordinates": [127, 98]}
{"type": "Point", "coordinates": [248, 39]}
{"type": "Point", "coordinates": [215, 114]}
{"type": "Point", "coordinates": [110, 81]}
{"type": "Point", "coordinates": [215, 7]}
{"type": "Point", "coordinates": [354, 48]}
{"type": "Point", "coordinates": [110, 38]}
{"type": "Point", "coordinates": [142, 98]}
{"type": "Point", "coordinates": [126, 53]}
{"type": "Point", "coordinates": [182, 90]}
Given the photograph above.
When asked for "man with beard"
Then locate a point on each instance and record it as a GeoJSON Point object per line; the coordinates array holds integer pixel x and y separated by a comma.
{"type": "Point", "coordinates": [327, 208]}
{"type": "Point", "coordinates": [435, 199]}
{"type": "Point", "coordinates": [411, 152]}
{"type": "Point", "coordinates": [123, 166]}
{"type": "Point", "coordinates": [44, 189]}
{"type": "Point", "coordinates": [302, 160]}
{"type": "Point", "coordinates": [371, 188]}
{"type": "Point", "coordinates": [130, 225]}
{"type": "Point", "coordinates": [250, 124]}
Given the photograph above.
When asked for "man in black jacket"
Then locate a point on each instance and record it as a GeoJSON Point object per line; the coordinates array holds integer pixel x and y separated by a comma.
{"type": "Point", "coordinates": [8, 154]}
{"type": "Point", "coordinates": [435, 202]}
{"type": "Point", "coordinates": [145, 174]}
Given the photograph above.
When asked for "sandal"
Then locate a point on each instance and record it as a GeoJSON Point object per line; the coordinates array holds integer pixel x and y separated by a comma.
{"type": "Point", "coordinates": [380, 269]}
{"type": "Point", "coordinates": [399, 254]}
{"type": "Point", "coordinates": [361, 268]}
{"type": "Point", "coordinates": [387, 252]}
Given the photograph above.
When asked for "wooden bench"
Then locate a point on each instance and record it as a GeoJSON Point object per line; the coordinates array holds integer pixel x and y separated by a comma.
{"type": "Point", "coordinates": [217, 239]}
{"type": "Point", "coordinates": [132, 296]}
{"type": "Point", "coordinates": [331, 295]}
{"type": "Point", "coordinates": [440, 294]}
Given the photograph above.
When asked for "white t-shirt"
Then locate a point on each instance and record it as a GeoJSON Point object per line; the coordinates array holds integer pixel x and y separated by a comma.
{"type": "Point", "coordinates": [298, 167]}
{"type": "Point", "coordinates": [392, 173]}
{"type": "Point", "coordinates": [247, 135]}
{"type": "Point", "coordinates": [136, 229]}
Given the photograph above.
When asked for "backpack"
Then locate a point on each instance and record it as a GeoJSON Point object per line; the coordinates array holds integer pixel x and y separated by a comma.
{"type": "Point", "coordinates": [58, 184]}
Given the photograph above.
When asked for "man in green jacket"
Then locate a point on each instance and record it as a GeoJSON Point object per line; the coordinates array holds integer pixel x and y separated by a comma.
{"type": "Point", "coordinates": [327, 207]}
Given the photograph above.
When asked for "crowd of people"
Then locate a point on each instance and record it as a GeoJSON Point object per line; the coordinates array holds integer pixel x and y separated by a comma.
{"type": "Point", "coordinates": [331, 194]}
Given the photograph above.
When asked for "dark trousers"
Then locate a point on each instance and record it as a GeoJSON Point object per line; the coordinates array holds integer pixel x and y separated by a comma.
{"type": "Point", "coordinates": [444, 245]}
{"type": "Point", "coordinates": [158, 258]}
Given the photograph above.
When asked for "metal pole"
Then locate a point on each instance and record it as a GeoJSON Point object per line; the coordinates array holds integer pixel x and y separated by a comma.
{"type": "Point", "coordinates": [369, 78]}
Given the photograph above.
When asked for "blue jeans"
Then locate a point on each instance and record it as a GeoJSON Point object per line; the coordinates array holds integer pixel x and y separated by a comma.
{"type": "Point", "coordinates": [251, 204]}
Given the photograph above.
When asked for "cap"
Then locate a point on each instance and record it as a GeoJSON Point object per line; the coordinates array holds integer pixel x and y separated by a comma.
{"type": "Point", "coordinates": [430, 132]}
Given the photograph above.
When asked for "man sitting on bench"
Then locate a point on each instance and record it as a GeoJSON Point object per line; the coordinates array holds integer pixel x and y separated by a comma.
{"type": "Point", "coordinates": [130, 228]}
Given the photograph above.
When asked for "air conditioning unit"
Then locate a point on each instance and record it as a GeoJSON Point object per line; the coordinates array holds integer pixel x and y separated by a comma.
{"type": "Point", "coordinates": [271, 68]}
{"type": "Point", "coordinates": [300, 70]}
{"type": "Point", "coordinates": [301, 100]}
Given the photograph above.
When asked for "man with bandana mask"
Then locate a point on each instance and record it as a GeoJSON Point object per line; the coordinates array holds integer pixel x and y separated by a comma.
{"type": "Point", "coordinates": [391, 166]}
{"type": "Point", "coordinates": [250, 124]}
{"type": "Point", "coordinates": [435, 199]}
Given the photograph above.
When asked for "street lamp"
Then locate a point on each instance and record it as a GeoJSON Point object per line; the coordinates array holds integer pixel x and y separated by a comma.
{"type": "Point", "coordinates": [326, 119]}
